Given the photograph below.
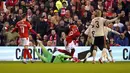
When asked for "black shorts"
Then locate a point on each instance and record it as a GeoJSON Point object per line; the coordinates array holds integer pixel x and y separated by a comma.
{"type": "Point", "coordinates": [99, 42]}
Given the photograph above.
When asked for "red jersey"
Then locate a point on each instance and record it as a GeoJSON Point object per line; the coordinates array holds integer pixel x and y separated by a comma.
{"type": "Point", "coordinates": [73, 34]}
{"type": "Point", "coordinates": [23, 28]}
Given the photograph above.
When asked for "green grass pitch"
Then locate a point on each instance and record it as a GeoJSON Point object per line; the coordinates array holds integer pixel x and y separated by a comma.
{"type": "Point", "coordinates": [39, 67]}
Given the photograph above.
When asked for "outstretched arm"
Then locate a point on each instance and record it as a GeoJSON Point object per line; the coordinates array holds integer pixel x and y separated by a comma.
{"type": "Point", "coordinates": [115, 32]}
{"type": "Point", "coordinates": [32, 31]}
{"type": "Point", "coordinates": [110, 21]}
{"type": "Point", "coordinates": [14, 30]}
{"type": "Point", "coordinates": [88, 30]}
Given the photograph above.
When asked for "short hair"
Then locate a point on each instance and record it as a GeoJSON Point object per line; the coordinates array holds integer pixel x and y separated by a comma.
{"type": "Point", "coordinates": [98, 13]}
{"type": "Point", "coordinates": [24, 15]}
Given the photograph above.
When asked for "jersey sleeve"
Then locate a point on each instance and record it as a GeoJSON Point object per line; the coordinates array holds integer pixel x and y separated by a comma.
{"type": "Point", "coordinates": [91, 23]}
{"type": "Point", "coordinates": [87, 31]}
{"type": "Point", "coordinates": [112, 20]}
{"type": "Point", "coordinates": [15, 28]}
{"type": "Point", "coordinates": [109, 29]}
{"type": "Point", "coordinates": [103, 19]}
{"type": "Point", "coordinates": [16, 25]}
{"type": "Point", "coordinates": [115, 32]}
{"type": "Point", "coordinates": [77, 34]}
{"type": "Point", "coordinates": [29, 25]}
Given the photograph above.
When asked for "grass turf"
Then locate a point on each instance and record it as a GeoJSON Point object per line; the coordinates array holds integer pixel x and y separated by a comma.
{"type": "Point", "coordinates": [39, 67]}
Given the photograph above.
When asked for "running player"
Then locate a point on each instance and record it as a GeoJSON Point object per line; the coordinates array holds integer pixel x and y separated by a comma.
{"type": "Point", "coordinates": [23, 27]}
{"type": "Point", "coordinates": [70, 41]}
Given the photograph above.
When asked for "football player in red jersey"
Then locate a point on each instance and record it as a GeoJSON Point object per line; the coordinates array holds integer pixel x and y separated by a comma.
{"type": "Point", "coordinates": [23, 27]}
{"type": "Point", "coordinates": [70, 41]}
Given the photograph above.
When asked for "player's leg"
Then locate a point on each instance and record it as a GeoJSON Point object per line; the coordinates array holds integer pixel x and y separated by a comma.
{"type": "Point", "coordinates": [71, 48]}
{"type": "Point", "coordinates": [96, 43]}
{"type": "Point", "coordinates": [106, 57]}
{"type": "Point", "coordinates": [45, 52]}
{"type": "Point", "coordinates": [62, 51]}
{"type": "Point", "coordinates": [64, 56]}
{"type": "Point", "coordinates": [65, 51]}
{"type": "Point", "coordinates": [60, 58]}
{"type": "Point", "coordinates": [25, 42]}
{"type": "Point", "coordinates": [85, 59]}
{"type": "Point", "coordinates": [110, 53]}
{"type": "Point", "coordinates": [94, 54]}
{"type": "Point", "coordinates": [73, 45]}
{"type": "Point", "coordinates": [68, 50]}
{"type": "Point", "coordinates": [74, 59]}
{"type": "Point", "coordinates": [89, 53]}
{"type": "Point", "coordinates": [44, 59]}
{"type": "Point", "coordinates": [108, 48]}
{"type": "Point", "coordinates": [102, 47]}
{"type": "Point", "coordinates": [25, 54]}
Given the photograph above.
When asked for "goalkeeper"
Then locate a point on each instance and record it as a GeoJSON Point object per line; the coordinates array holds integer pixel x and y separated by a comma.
{"type": "Point", "coordinates": [47, 57]}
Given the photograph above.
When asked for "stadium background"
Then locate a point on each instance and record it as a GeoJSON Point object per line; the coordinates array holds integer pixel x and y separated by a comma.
{"type": "Point", "coordinates": [51, 18]}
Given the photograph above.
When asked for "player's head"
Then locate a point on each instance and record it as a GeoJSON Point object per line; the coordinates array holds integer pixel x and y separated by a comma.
{"type": "Point", "coordinates": [98, 13]}
{"type": "Point", "coordinates": [24, 17]}
{"type": "Point", "coordinates": [73, 27]}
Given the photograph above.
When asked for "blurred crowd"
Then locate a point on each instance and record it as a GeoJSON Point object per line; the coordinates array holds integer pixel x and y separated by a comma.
{"type": "Point", "coordinates": [51, 19]}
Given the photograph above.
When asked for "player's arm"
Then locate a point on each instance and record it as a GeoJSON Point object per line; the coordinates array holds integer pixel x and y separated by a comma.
{"type": "Point", "coordinates": [32, 31]}
{"type": "Point", "coordinates": [88, 30]}
{"type": "Point", "coordinates": [30, 28]}
{"type": "Point", "coordinates": [15, 28]}
{"type": "Point", "coordinates": [106, 21]}
{"type": "Point", "coordinates": [115, 32]}
{"type": "Point", "coordinates": [111, 30]}
{"type": "Point", "coordinates": [112, 20]}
